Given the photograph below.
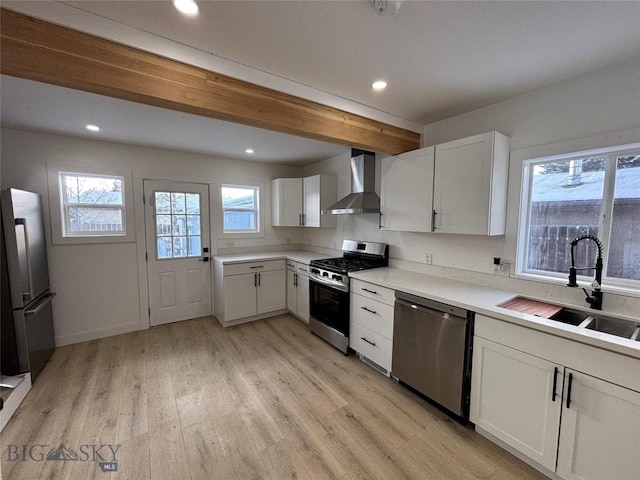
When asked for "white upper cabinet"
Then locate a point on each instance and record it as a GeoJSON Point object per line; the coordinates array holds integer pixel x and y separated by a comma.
{"type": "Point", "coordinates": [470, 185]}
{"type": "Point", "coordinates": [406, 191]}
{"type": "Point", "coordinates": [286, 202]}
{"type": "Point", "coordinates": [320, 192]}
{"type": "Point", "coordinates": [298, 202]}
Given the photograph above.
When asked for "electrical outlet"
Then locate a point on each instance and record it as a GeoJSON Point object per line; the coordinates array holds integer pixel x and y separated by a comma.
{"type": "Point", "coordinates": [334, 244]}
{"type": "Point", "coordinates": [504, 269]}
{"type": "Point", "coordinates": [428, 258]}
{"type": "Point", "coordinates": [229, 243]}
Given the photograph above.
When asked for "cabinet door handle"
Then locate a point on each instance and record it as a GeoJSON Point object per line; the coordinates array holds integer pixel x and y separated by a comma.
{"type": "Point", "coordinates": [295, 279]}
{"type": "Point", "coordinates": [555, 378]}
{"type": "Point", "coordinates": [304, 219]}
{"type": "Point", "coordinates": [259, 279]}
{"type": "Point", "coordinates": [368, 341]}
{"type": "Point", "coordinates": [255, 279]}
{"type": "Point", "coordinates": [433, 220]}
{"type": "Point", "coordinates": [370, 291]}
{"type": "Point", "coordinates": [370, 311]}
{"type": "Point", "coordinates": [300, 219]}
{"type": "Point", "coordinates": [569, 390]}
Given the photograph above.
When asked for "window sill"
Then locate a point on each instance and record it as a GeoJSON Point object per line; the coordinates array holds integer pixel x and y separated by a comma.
{"type": "Point", "coordinates": [614, 289]}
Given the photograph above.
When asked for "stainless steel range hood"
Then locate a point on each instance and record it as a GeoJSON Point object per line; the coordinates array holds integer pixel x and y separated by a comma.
{"type": "Point", "coordinates": [363, 198]}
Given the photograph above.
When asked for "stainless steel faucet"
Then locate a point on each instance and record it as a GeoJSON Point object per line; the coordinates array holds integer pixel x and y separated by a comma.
{"type": "Point", "coordinates": [595, 298]}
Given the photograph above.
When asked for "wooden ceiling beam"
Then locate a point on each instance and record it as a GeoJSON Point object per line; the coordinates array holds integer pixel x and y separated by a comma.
{"type": "Point", "coordinates": [38, 50]}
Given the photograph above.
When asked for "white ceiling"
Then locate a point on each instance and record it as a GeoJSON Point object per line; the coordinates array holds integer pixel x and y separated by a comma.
{"type": "Point", "coordinates": [48, 108]}
{"type": "Point", "coordinates": [440, 58]}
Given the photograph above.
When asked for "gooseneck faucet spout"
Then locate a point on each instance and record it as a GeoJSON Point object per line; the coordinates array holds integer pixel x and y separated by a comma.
{"type": "Point", "coordinates": [595, 298]}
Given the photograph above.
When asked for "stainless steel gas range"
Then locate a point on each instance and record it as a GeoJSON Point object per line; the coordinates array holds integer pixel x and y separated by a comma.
{"type": "Point", "coordinates": [329, 288]}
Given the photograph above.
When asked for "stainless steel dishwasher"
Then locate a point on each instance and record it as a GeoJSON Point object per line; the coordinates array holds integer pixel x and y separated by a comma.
{"type": "Point", "coordinates": [432, 345]}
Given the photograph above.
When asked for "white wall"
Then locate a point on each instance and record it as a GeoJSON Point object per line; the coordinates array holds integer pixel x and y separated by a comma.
{"type": "Point", "coordinates": [577, 114]}
{"type": "Point", "coordinates": [99, 285]}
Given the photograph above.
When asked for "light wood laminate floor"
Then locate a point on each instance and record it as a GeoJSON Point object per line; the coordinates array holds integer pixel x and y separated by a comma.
{"type": "Point", "coordinates": [265, 400]}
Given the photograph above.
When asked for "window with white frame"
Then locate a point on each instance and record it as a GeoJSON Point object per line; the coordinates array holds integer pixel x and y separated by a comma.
{"type": "Point", "coordinates": [588, 193]}
{"type": "Point", "coordinates": [92, 205]}
{"type": "Point", "coordinates": [241, 209]}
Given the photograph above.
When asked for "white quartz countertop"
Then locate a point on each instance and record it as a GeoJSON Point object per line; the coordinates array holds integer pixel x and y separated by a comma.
{"type": "Point", "coordinates": [484, 300]}
{"type": "Point", "coordinates": [295, 255]}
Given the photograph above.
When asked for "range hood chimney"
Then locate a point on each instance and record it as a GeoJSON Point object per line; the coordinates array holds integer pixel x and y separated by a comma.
{"type": "Point", "coordinates": [363, 198]}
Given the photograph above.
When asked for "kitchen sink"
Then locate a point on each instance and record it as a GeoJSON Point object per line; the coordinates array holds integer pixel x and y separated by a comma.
{"type": "Point", "coordinates": [612, 326]}
{"type": "Point", "coordinates": [599, 323]}
{"type": "Point", "coordinates": [590, 320]}
{"type": "Point", "coordinates": [572, 317]}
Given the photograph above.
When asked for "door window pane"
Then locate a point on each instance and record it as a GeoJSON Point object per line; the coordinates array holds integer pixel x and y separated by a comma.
{"type": "Point", "coordinates": [566, 199]}
{"type": "Point", "coordinates": [193, 224]}
{"type": "Point", "coordinates": [193, 202]}
{"type": "Point", "coordinates": [179, 247]}
{"type": "Point", "coordinates": [178, 235]}
{"type": "Point", "coordinates": [194, 246]}
{"type": "Point", "coordinates": [164, 247]}
{"type": "Point", "coordinates": [177, 202]}
{"type": "Point", "coordinates": [163, 225]}
{"type": "Point", "coordinates": [163, 202]}
{"type": "Point", "coordinates": [624, 245]}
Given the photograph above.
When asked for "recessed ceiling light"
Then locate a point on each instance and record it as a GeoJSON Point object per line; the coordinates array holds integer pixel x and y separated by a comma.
{"type": "Point", "coordinates": [93, 128]}
{"type": "Point", "coordinates": [188, 7]}
{"type": "Point", "coordinates": [249, 151]}
{"type": "Point", "coordinates": [379, 85]}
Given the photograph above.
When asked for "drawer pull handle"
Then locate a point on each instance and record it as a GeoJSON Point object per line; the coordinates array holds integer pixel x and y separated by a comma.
{"type": "Point", "coordinates": [370, 311]}
{"type": "Point", "coordinates": [368, 341]}
{"type": "Point", "coordinates": [259, 266]}
{"type": "Point", "coordinates": [370, 291]}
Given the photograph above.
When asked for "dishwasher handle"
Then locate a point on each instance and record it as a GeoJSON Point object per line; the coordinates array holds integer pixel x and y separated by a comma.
{"type": "Point", "coordinates": [433, 308]}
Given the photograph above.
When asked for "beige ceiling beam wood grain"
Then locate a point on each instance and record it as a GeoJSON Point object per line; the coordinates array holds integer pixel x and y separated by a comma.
{"type": "Point", "coordinates": [37, 50]}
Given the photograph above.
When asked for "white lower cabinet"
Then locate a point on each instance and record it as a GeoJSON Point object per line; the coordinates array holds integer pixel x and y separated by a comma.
{"type": "Point", "coordinates": [600, 434]}
{"type": "Point", "coordinates": [576, 425]}
{"type": "Point", "coordinates": [512, 399]}
{"type": "Point", "coordinates": [240, 296]}
{"type": "Point", "coordinates": [298, 289]}
{"type": "Point", "coordinates": [371, 322]}
{"type": "Point", "coordinates": [249, 290]}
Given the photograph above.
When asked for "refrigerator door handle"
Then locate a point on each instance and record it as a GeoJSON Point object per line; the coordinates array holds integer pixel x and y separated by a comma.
{"type": "Point", "coordinates": [43, 303]}
{"type": "Point", "coordinates": [23, 258]}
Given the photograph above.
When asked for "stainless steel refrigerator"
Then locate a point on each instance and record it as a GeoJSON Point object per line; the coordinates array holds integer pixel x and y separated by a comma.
{"type": "Point", "coordinates": [27, 316]}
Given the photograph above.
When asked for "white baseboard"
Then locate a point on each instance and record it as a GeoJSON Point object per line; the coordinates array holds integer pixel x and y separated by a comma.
{"type": "Point", "coordinates": [95, 334]}
{"type": "Point", "coordinates": [253, 318]}
{"type": "Point", "coordinates": [516, 453]}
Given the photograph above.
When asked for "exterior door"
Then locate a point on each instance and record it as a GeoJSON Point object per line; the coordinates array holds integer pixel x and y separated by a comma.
{"type": "Point", "coordinates": [178, 267]}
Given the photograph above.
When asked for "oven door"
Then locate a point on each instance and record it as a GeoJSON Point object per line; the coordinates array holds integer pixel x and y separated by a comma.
{"type": "Point", "coordinates": [330, 306]}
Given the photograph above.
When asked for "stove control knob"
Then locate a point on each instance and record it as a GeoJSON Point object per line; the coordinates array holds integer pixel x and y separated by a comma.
{"type": "Point", "coordinates": [315, 270]}
{"type": "Point", "coordinates": [337, 277]}
{"type": "Point", "coordinates": [325, 274]}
